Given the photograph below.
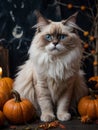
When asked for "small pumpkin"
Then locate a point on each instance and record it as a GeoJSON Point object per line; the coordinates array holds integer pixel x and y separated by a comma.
{"type": "Point", "coordinates": [2, 118]}
{"type": "Point", "coordinates": [3, 98]}
{"type": "Point", "coordinates": [6, 85]}
{"type": "Point", "coordinates": [18, 110]}
{"type": "Point", "coordinates": [88, 107]}
{"type": "Point", "coordinates": [94, 82]}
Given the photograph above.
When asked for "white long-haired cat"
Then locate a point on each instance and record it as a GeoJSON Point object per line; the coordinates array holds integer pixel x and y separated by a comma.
{"type": "Point", "coordinates": [51, 77]}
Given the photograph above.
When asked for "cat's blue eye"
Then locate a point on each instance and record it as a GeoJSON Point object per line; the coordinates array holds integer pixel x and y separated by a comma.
{"type": "Point", "coordinates": [62, 36]}
{"type": "Point", "coordinates": [48, 37]}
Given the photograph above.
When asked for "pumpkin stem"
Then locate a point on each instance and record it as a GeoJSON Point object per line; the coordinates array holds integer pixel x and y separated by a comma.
{"type": "Point", "coordinates": [92, 94]}
{"type": "Point", "coordinates": [16, 95]}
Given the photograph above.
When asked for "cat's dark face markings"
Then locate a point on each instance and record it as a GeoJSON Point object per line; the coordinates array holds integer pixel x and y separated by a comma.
{"type": "Point", "coordinates": [56, 34]}
{"type": "Point", "coordinates": [56, 37]}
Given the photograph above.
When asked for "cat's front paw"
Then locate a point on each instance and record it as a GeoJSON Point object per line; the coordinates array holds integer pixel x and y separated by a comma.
{"type": "Point", "coordinates": [64, 116]}
{"type": "Point", "coordinates": [47, 117]}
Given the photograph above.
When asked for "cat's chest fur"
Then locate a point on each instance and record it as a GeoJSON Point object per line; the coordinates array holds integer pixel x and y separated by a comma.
{"type": "Point", "coordinates": [56, 71]}
{"type": "Point", "coordinates": [59, 67]}
{"type": "Point", "coordinates": [55, 88]}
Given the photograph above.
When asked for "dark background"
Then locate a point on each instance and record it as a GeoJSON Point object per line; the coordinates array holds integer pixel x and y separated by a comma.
{"type": "Point", "coordinates": [19, 15]}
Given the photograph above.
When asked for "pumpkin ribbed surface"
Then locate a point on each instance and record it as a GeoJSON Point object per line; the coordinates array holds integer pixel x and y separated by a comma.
{"type": "Point", "coordinates": [18, 110]}
{"type": "Point", "coordinates": [89, 107]}
{"type": "Point", "coordinates": [6, 85]}
{"type": "Point", "coordinates": [3, 98]}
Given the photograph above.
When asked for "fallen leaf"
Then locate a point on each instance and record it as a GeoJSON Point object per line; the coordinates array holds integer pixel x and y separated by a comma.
{"type": "Point", "coordinates": [53, 124]}
{"type": "Point", "coordinates": [62, 126]}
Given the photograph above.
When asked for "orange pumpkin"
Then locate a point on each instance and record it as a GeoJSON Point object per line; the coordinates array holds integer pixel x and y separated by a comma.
{"type": "Point", "coordinates": [2, 118]}
{"type": "Point", "coordinates": [3, 98]}
{"type": "Point", "coordinates": [6, 85]}
{"type": "Point", "coordinates": [18, 110]}
{"type": "Point", "coordinates": [88, 107]}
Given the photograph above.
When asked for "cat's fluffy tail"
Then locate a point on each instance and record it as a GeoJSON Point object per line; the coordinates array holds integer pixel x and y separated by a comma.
{"type": "Point", "coordinates": [24, 81]}
{"type": "Point", "coordinates": [80, 89]}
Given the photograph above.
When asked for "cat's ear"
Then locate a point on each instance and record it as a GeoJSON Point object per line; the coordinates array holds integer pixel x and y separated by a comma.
{"type": "Point", "coordinates": [41, 20]}
{"type": "Point", "coordinates": [71, 19]}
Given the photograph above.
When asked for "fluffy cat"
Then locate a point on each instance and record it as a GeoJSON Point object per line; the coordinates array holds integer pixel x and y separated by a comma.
{"type": "Point", "coordinates": [51, 77]}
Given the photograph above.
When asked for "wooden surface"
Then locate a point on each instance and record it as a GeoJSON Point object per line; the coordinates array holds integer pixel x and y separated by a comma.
{"type": "Point", "coordinates": [73, 124]}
